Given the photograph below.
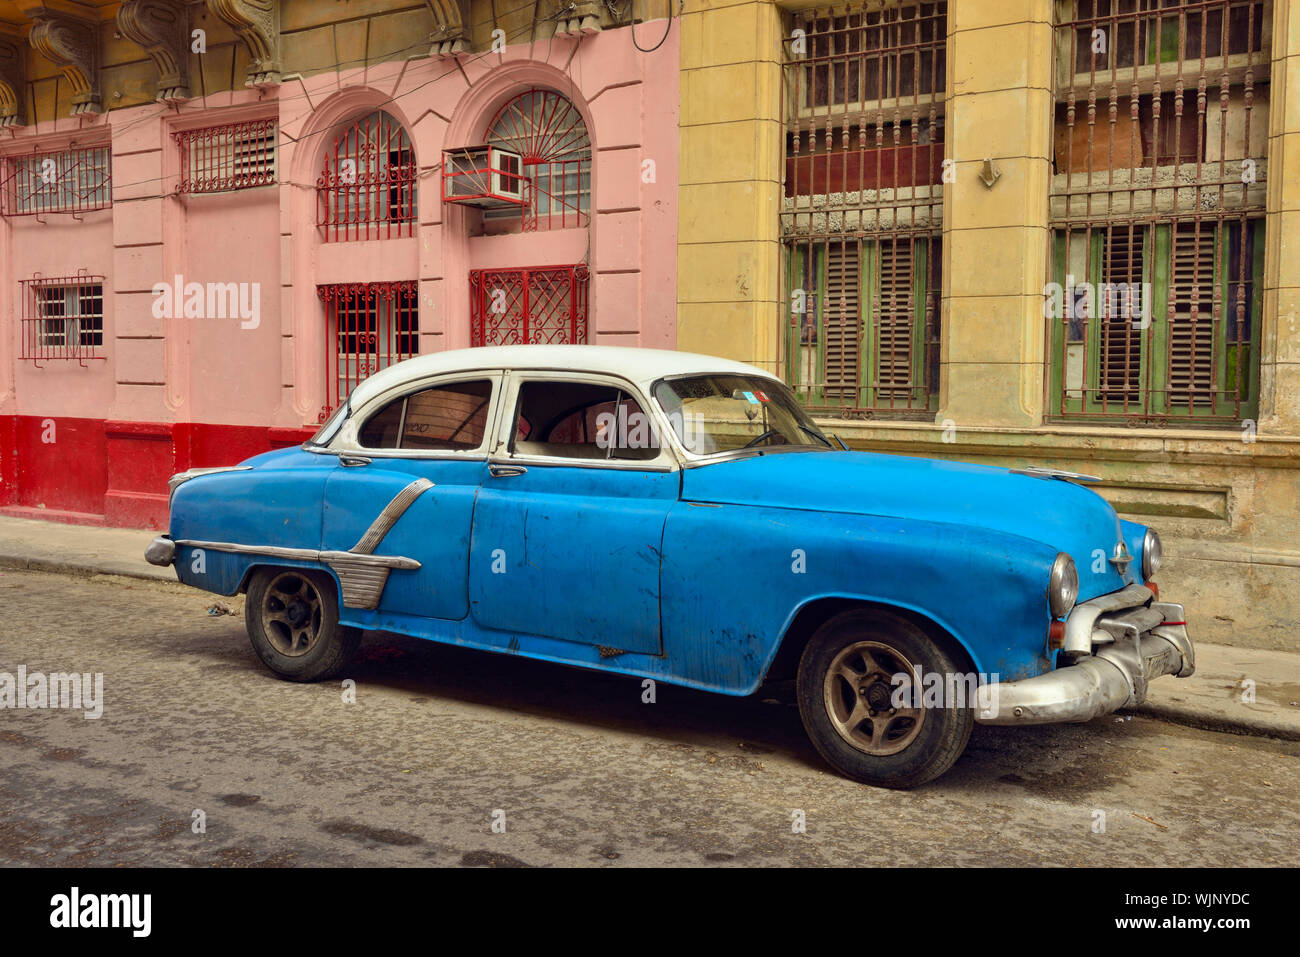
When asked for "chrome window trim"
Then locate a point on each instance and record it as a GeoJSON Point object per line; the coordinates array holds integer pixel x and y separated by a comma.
{"type": "Point", "coordinates": [668, 459]}
{"type": "Point", "coordinates": [692, 460]}
{"type": "Point", "coordinates": [347, 439]}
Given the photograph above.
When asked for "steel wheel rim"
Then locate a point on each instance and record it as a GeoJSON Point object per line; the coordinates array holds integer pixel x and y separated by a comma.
{"type": "Point", "coordinates": [857, 684]}
{"type": "Point", "coordinates": [292, 614]}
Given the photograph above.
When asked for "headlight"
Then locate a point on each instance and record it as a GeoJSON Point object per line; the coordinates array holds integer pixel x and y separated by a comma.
{"type": "Point", "coordinates": [1063, 586]}
{"type": "Point", "coordinates": [1152, 552]}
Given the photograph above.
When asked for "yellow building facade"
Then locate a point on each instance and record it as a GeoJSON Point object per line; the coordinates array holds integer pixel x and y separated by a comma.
{"type": "Point", "coordinates": [1022, 232]}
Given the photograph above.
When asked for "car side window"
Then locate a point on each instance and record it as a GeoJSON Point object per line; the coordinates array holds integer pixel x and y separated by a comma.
{"type": "Point", "coordinates": [450, 417]}
{"type": "Point", "coordinates": [383, 429]}
{"type": "Point", "coordinates": [582, 420]}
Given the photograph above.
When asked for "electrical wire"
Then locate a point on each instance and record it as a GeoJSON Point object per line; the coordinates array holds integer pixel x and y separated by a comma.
{"type": "Point", "coordinates": [631, 25]}
{"type": "Point", "coordinates": [341, 124]}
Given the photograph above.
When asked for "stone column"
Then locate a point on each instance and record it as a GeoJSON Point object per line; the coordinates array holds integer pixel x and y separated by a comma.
{"type": "Point", "coordinates": [728, 253]}
{"type": "Point", "coordinates": [1280, 336]}
{"type": "Point", "coordinates": [999, 107]}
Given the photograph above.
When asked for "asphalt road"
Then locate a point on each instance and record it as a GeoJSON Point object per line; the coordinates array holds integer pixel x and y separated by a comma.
{"type": "Point", "coordinates": [440, 739]}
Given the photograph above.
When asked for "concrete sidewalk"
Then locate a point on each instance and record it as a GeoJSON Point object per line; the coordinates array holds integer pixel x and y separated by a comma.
{"type": "Point", "coordinates": [1239, 690]}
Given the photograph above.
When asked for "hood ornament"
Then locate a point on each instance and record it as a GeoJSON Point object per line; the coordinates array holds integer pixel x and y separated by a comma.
{"type": "Point", "coordinates": [1121, 558]}
{"type": "Point", "coordinates": [1038, 472]}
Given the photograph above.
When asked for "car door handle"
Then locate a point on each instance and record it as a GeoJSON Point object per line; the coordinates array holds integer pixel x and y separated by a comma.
{"type": "Point", "coordinates": [353, 460]}
{"type": "Point", "coordinates": [501, 471]}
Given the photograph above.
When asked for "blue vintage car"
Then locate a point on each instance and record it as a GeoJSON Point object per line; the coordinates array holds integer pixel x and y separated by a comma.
{"type": "Point", "coordinates": [680, 517]}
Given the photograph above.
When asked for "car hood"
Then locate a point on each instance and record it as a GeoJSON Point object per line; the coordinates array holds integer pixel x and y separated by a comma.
{"type": "Point", "coordinates": [1057, 513]}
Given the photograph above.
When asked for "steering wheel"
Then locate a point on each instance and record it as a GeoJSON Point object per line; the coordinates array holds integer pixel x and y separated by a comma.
{"type": "Point", "coordinates": [759, 438]}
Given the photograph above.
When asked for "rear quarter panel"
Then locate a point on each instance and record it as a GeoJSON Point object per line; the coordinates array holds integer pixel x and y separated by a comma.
{"type": "Point", "coordinates": [277, 503]}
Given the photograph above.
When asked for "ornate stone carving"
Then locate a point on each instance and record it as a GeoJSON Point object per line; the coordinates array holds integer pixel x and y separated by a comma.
{"type": "Point", "coordinates": [257, 22]}
{"type": "Point", "coordinates": [161, 29]}
{"type": "Point", "coordinates": [12, 81]}
{"type": "Point", "coordinates": [450, 36]}
{"type": "Point", "coordinates": [71, 44]}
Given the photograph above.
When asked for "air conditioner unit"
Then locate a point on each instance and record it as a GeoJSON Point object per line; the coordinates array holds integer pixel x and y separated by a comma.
{"type": "Point", "coordinates": [483, 176]}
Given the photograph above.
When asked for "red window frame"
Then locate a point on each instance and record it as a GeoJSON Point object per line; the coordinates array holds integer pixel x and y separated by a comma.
{"type": "Point", "coordinates": [369, 326]}
{"type": "Point", "coordinates": [211, 161]}
{"type": "Point", "coordinates": [544, 304]}
{"type": "Point", "coordinates": [367, 188]}
{"type": "Point", "coordinates": [76, 304]}
{"type": "Point", "coordinates": [548, 131]}
{"type": "Point", "coordinates": [25, 191]}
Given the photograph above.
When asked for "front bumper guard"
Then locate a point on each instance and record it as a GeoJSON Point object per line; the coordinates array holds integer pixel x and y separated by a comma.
{"type": "Point", "coordinates": [161, 551]}
{"type": "Point", "coordinates": [1130, 644]}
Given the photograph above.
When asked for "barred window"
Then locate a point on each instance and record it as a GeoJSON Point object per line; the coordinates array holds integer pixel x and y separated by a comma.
{"type": "Point", "coordinates": [549, 133]}
{"type": "Point", "coordinates": [63, 318]}
{"type": "Point", "coordinates": [217, 159]}
{"type": "Point", "coordinates": [70, 181]}
{"type": "Point", "coordinates": [371, 326]}
{"type": "Point", "coordinates": [861, 219]}
{"type": "Point", "coordinates": [1157, 207]}
{"type": "Point", "coordinates": [366, 189]}
{"type": "Point", "coordinates": [528, 306]}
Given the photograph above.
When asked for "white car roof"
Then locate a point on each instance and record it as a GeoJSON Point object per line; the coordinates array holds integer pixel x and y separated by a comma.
{"type": "Point", "coordinates": [641, 366]}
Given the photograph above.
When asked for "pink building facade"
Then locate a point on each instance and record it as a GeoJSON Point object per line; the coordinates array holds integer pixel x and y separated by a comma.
{"type": "Point", "coordinates": [251, 255]}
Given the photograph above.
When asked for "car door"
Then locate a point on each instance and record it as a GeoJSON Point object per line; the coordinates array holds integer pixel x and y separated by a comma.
{"type": "Point", "coordinates": [570, 517]}
{"type": "Point", "coordinates": [405, 485]}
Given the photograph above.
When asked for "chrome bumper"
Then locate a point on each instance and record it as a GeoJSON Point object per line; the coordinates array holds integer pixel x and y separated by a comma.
{"type": "Point", "coordinates": [161, 551]}
{"type": "Point", "coordinates": [1128, 643]}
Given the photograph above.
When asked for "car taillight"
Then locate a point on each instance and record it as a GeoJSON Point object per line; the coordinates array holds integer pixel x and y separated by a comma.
{"type": "Point", "coordinates": [1056, 636]}
{"type": "Point", "coordinates": [1155, 589]}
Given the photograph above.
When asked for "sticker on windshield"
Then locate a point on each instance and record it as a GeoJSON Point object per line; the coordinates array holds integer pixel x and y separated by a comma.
{"type": "Point", "coordinates": [749, 396]}
{"type": "Point", "coordinates": [762, 396]}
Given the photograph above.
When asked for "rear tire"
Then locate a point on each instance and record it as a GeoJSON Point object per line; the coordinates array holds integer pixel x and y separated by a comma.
{"type": "Point", "coordinates": [292, 617]}
{"type": "Point", "coordinates": [844, 690]}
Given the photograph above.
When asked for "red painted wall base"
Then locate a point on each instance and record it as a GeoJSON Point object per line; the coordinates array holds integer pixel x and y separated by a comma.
{"type": "Point", "coordinates": [103, 472]}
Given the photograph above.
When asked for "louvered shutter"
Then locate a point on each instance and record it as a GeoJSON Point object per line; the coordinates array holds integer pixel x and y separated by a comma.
{"type": "Point", "coordinates": [895, 320]}
{"type": "Point", "coordinates": [843, 322]}
{"type": "Point", "coordinates": [1191, 331]}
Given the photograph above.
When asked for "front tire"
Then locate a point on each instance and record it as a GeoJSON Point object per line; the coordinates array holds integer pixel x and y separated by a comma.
{"type": "Point", "coordinates": [292, 617]}
{"type": "Point", "coordinates": [845, 688]}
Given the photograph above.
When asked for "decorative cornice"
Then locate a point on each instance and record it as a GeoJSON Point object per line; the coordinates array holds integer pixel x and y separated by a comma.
{"type": "Point", "coordinates": [13, 78]}
{"type": "Point", "coordinates": [450, 36]}
{"type": "Point", "coordinates": [71, 44]}
{"type": "Point", "coordinates": [161, 29]}
{"type": "Point", "coordinates": [257, 22]}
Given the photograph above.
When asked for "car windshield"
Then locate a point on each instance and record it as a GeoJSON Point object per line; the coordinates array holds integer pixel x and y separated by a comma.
{"type": "Point", "coordinates": [331, 427]}
{"type": "Point", "coordinates": [728, 412]}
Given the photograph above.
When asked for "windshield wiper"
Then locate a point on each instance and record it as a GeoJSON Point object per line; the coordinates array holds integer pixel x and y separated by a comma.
{"type": "Point", "coordinates": [818, 436]}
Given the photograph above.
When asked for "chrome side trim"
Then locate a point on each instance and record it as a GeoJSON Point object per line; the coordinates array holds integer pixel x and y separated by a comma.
{"type": "Point", "coordinates": [361, 577]}
{"type": "Point", "coordinates": [389, 516]}
{"type": "Point", "coordinates": [301, 554]}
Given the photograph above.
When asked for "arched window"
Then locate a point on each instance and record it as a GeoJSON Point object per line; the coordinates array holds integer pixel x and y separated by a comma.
{"type": "Point", "coordinates": [547, 130]}
{"type": "Point", "coordinates": [367, 188]}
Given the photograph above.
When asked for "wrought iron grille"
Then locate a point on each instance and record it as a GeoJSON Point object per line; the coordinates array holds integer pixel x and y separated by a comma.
{"type": "Point", "coordinates": [68, 181]}
{"type": "Point", "coordinates": [371, 326]}
{"type": "Point", "coordinates": [528, 306]}
{"type": "Point", "coordinates": [218, 159]}
{"type": "Point", "coordinates": [550, 134]}
{"type": "Point", "coordinates": [62, 318]}
{"type": "Point", "coordinates": [367, 188]}
{"type": "Point", "coordinates": [861, 218]}
{"type": "Point", "coordinates": [1157, 208]}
